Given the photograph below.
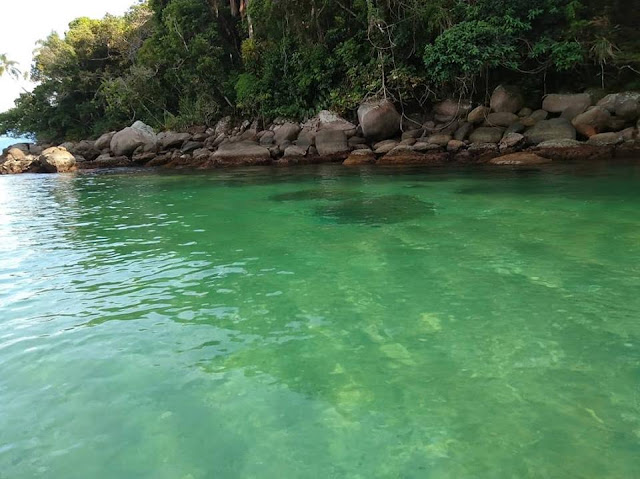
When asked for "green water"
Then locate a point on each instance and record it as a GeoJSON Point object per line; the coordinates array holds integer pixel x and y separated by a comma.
{"type": "Point", "coordinates": [321, 323]}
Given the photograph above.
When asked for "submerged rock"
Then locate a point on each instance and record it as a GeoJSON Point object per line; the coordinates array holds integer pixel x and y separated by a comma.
{"type": "Point", "coordinates": [520, 159]}
{"type": "Point", "coordinates": [377, 210]}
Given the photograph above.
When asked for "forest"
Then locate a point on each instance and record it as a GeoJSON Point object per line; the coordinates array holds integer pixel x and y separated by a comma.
{"type": "Point", "coordinates": [177, 63]}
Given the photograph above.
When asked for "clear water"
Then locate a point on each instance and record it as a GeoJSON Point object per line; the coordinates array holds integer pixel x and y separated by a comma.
{"type": "Point", "coordinates": [321, 323]}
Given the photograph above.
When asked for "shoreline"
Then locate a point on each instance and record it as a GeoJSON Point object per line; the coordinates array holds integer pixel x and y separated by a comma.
{"type": "Point", "coordinates": [566, 128]}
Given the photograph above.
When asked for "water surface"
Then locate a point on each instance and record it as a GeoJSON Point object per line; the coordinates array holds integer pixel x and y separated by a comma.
{"type": "Point", "coordinates": [321, 322]}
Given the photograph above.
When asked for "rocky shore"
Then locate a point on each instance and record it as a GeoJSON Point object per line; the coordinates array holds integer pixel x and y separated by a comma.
{"type": "Point", "coordinates": [566, 127]}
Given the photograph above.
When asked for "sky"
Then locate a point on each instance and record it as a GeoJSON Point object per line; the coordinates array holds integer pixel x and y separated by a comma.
{"type": "Point", "coordinates": [27, 21]}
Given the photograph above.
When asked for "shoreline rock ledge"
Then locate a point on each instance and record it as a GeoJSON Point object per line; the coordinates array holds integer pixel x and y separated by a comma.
{"type": "Point", "coordinates": [566, 127]}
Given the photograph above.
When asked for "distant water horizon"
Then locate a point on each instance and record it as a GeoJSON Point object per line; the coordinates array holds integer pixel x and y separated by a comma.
{"type": "Point", "coordinates": [6, 141]}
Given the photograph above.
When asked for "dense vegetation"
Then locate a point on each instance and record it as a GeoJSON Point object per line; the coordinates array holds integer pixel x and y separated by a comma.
{"type": "Point", "coordinates": [174, 63]}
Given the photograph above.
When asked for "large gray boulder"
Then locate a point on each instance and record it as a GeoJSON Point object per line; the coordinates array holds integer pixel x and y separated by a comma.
{"type": "Point", "coordinates": [287, 132]}
{"type": "Point", "coordinates": [86, 149]}
{"type": "Point", "coordinates": [554, 129]}
{"type": "Point", "coordinates": [104, 141]}
{"type": "Point", "coordinates": [57, 160]}
{"type": "Point", "coordinates": [379, 120]}
{"type": "Point", "coordinates": [172, 139]}
{"type": "Point", "coordinates": [506, 99]}
{"type": "Point", "coordinates": [558, 103]}
{"type": "Point", "coordinates": [592, 121]}
{"type": "Point", "coordinates": [613, 101]}
{"type": "Point", "coordinates": [332, 143]}
{"type": "Point", "coordinates": [126, 141]}
{"type": "Point", "coordinates": [242, 153]}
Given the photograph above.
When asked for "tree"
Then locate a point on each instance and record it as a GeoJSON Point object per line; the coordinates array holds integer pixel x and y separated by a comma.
{"type": "Point", "coordinates": [9, 67]}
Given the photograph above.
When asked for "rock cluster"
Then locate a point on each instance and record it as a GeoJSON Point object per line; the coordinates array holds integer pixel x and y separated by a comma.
{"type": "Point", "coordinates": [567, 127]}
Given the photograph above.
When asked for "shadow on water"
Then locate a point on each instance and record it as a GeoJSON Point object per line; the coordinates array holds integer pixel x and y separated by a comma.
{"type": "Point", "coordinates": [317, 194]}
{"type": "Point", "coordinates": [387, 209]}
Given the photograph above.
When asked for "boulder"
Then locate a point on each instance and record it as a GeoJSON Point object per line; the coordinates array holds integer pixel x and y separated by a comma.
{"type": "Point", "coordinates": [525, 112]}
{"type": "Point", "coordinates": [360, 157]}
{"type": "Point", "coordinates": [455, 145]}
{"type": "Point", "coordinates": [486, 134]}
{"type": "Point", "coordinates": [439, 139]}
{"type": "Point", "coordinates": [572, 150]}
{"type": "Point", "coordinates": [295, 152]}
{"type": "Point", "coordinates": [267, 138]}
{"type": "Point", "coordinates": [424, 146]}
{"type": "Point", "coordinates": [126, 141]}
{"type": "Point", "coordinates": [592, 121]}
{"type": "Point", "coordinates": [223, 127]}
{"type": "Point", "coordinates": [558, 103]}
{"type": "Point", "coordinates": [287, 132]}
{"type": "Point", "coordinates": [307, 138]}
{"type": "Point", "coordinates": [104, 141]}
{"type": "Point", "coordinates": [554, 129]}
{"type": "Point", "coordinates": [628, 109]}
{"type": "Point", "coordinates": [411, 157]}
{"type": "Point", "coordinates": [332, 143]}
{"type": "Point", "coordinates": [241, 153]}
{"type": "Point", "coordinates": [504, 119]}
{"type": "Point", "coordinates": [15, 161]}
{"type": "Point", "coordinates": [511, 140]}
{"type": "Point", "coordinates": [606, 139]}
{"type": "Point", "coordinates": [327, 120]}
{"type": "Point", "coordinates": [383, 147]}
{"type": "Point", "coordinates": [86, 149]}
{"type": "Point", "coordinates": [506, 99]}
{"type": "Point", "coordinates": [522, 158]}
{"type": "Point", "coordinates": [613, 101]}
{"type": "Point", "coordinates": [57, 160]}
{"type": "Point", "coordinates": [379, 120]}
{"type": "Point", "coordinates": [171, 139]}
{"type": "Point", "coordinates": [463, 131]}
{"type": "Point", "coordinates": [450, 109]}
{"type": "Point", "coordinates": [191, 146]}
{"type": "Point", "coordinates": [478, 114]}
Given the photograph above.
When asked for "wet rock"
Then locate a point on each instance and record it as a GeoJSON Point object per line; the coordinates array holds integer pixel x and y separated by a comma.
{"type": "Point", "coordinates": [478, 114]}
{"type": "Point", "coordinates": [383, 147]}
{"type": "Point", "coordinates": [503, 119]}
{"type": "Point", "coordinates": [439, 139]}
{"type": "Point", "coordinates": [511, 140]}
{"type": "Point", "coordinates": [506, 98]}
{"type": "Point", "coordinates": [463, 131]}
{"type": "Point", "coordinates": [107, 161]}
{"type": "Point", "coordinates": [455, 145]}
{"type": "Point", "coordinates": [604, 139]}
{"type": "Point", "coordinates": [486, 134]}
{"type": "Point", "coordinates": [554, 129]}
{"type": "Point", "coordinates": [592, 121]}
{"type": "Point", "coordinates": [412, 157]}
{"type": "Point", "coordinates": [424, 146]}
{"type": "Point", "coordinates": [375, 210]}
{"type": "Point", "coordinates": [242, 153]}
{"type": "Point", "coordinates": [379, 120]}
{"type": "Point", "coordinates": [295, 151]}
{"type": "Point", "coordinates": [572, 150]}
{"type": "Point", "coordinates": [360, 157]}
{"type": "Point", "coordinates": [558, 103]}
{"type": "Point", "coordinates": [520, 159]}
{"type": "Point", "coordinates": [332, 143]}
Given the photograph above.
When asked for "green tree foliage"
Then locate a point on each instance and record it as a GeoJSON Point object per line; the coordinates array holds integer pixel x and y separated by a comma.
{"type": "Point", "coordinates": [8, 66]}
{"type": "Point", "coordinates": [175, 63]}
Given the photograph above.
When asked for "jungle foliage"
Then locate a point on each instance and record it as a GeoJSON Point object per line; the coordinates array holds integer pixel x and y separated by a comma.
{"type": "Point", "coordinates": [176, 63]}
